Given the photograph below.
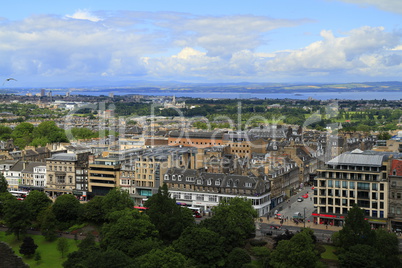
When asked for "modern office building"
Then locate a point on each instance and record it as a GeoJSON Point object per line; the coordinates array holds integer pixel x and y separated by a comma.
{"type": "Point", "coordinates": [356, 177]}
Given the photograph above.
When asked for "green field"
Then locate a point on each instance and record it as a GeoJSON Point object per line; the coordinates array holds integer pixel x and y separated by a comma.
{"type": "Point", "coordinates": [50, 256]}
{"type": "Point", "coordinates": [329, 253]}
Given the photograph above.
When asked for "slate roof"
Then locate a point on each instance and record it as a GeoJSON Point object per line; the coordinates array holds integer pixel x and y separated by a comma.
{"type": "Point", "coordinates": [360, 158]}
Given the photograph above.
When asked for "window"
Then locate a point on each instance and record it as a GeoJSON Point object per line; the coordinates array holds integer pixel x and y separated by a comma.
{"type": "Point", "coordinates": [218, 182]}
{"type": "Point", "coordinates": [344, 184]}
{"type": "Point", "coordinates": [209, 182]}
{"type": "Point", "coordinates": [329, 183]}
{"type": "Point", "coordinates": [352, 184]}
{"type": "Point", "coordinates": [337, 184]}
{"type": "Point", "coordinates": [180, 178]}
{"type": "Point", "coordinates": [248, 184]}
{"type": "Point", "coordinates": [374, 186]}
{"type": "Point", "coordinates": [166, 177]}
{"type": "Point", "coordinates": [199, 181]}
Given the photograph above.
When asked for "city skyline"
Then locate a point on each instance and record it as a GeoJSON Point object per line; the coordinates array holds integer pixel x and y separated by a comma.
{"type": "Point", "coordinates": [82, 42]}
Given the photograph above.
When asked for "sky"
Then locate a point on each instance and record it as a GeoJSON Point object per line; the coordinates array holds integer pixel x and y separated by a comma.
{"type": "Point", "coordinates": [82, 43]}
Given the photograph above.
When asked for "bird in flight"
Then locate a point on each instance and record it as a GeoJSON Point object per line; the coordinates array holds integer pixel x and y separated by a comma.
{"type": "Point", "coordinates": [9, 79]}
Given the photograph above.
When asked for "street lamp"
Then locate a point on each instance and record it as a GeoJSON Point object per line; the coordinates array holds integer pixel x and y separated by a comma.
{"type": "Point", "coordinates": [304, 217]}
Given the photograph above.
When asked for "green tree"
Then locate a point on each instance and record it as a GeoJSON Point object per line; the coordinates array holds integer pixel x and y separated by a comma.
{"type": "Point", "coordinates": [63, 246]}
{"type": "Point", "coordinates": [38, 257]}
{"type": "Point", "coordinates": [130, 232]}
{"type": "Point", "coordinates": [110, 258]}
{"type": "Point", "coordinates": [3, 184]}
{"type": "Point", "coordinates": [36, 202]}
{"type": "Point", "coordinates": [233, 219]}
{"type": "Point", "coordinates": [384, 136]}
{"type": "Point", "coordinates": [201, 245]}
{"type": "Point", "coordinates": [387, 249]}
{"type": "Point", "coordinates": [22, 134]}
{"type": "Point", "coordinates": [359, 255]}
{"type": "Point", "coordinates": [169, 218]}
{"type": "Point", "coordinates": [162, 258]}
{"type": "Point", "coordinates": [50, 131]}
{"type": "Point", "coordinates": [82, 133]}
{"type": "Point", "coordinates": [356, 229]}
{"type": "Point", "coordinates": [299, 251]}
{"type": "Point", "coordinates": [48, 224]}
{"type": "Point", "coordinates": [4, 197]}
{"type": "Point", "coordinates": [5, 133]}
{"type": "Point", "coordinates": [93, 210]}
{"type": "Point", "coordinates": [116, 199]}
{"type": "Point", "coordinates": [16, 217]}
{"type": "Point", "coordinates": [67, 210]}
{"type": "Point", "coordinates": [86, 248]}
{"type": "Point", "coordinates": [28, 247]}
{"type": "Point", "coordinates": [237, 258]}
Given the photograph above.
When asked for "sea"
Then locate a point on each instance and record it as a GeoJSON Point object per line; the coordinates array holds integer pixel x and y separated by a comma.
{"type": "Point", "coordinates": [350, 95]}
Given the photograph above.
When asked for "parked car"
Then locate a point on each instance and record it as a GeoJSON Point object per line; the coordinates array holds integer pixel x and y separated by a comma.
{"type": "Point", "coordinates": [299, 199]}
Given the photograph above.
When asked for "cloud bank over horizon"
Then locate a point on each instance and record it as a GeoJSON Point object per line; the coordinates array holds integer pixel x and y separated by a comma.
{"type": "Point", "coordinates": [130, 45]}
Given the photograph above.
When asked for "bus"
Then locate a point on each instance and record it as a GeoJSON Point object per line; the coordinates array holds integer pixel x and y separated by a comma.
{"type": "Point", "coordinates": [196, 212]}
{"type": "Point", "coordinates": [20, 195]}
{"type": "Point", "coordinates": [141, 209]}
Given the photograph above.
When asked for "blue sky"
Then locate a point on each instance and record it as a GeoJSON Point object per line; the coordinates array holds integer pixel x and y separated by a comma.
{"type": "Point", "coordinates": [78, 43]}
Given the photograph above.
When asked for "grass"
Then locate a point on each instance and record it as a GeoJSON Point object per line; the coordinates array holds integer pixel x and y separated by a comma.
{"type": "Point", "coordinates": [51, 257]}
{"type": "Point", "coordinates": [329, 253]}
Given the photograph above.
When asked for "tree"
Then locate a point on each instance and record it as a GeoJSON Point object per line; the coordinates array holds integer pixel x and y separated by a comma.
{"type": "Point", "coordinates": [4, 197]}
{"type": "Point", "coordinates": [38, 257]}
{"type": "Point", "coordinates": [110, 258]}
{"type": "Point", "coordinates": [5, 132]}
{"type": "Point", "coordinates": [16, 217]}
{"type": "Point", "coordinates": [237, 258]}
{"type": "Point", "coordinates": [299, 251]}
{"type": "Point", "coordinates": [356, 229]}
{"type": "Point", "coordinates": [163, 258]}
{"type": "Point", "coordinates": [28, 247]}
{"type": "Point", "coordinates": [387, 249]}
{"type": "Point", "coordinates": [130, 232]}
{"type": "Point", "coordinates": [22, 134]}
{"type": "Point", "coordinates": [63, 246]}
{"type": "Point", "coordinates": [116, 199]}
{"type": "Point", "coordinates": [48, 224]}
{"type": "Point", "coordinates": [86, 248]}
{"type": "Point", "coordinates": [50, 131]}
{"type": "Point", "coordinates": [67, 210]}
{"type": "Point", "coordinates": [359, 255]}
{"type": "Point", "coordinates": [201, 245]}
{"type": "Point", "coordinates": [233, 219]}
{"type": "Point", "coordinates": [169, 218]}
{"type": "Point", "coordinates": [93, 210]}
{"type": "Point", "coordinates": [3, 184]}
{"type": "Point", "coordinates": [36, 202]}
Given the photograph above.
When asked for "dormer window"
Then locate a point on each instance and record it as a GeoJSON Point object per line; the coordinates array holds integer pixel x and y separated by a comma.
{"type": "Point", "coordinates": [248, 184]}
{"type": "Point", "coordinates": [180, 177]}
{"type": "Point", "coordinates": [166, 177]}
{"type": "Point", "coordinates": [199, 181]}
{"type": "Point", "coordinates": [173, 177]}
{"type": "Point", "coordinates": [218, 182]}
{"type": "Point", "coordinates": [209, 182]}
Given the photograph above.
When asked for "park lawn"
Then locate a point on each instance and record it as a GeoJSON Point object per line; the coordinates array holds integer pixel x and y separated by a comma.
{"type": "Point", "coordinates": [329, 253]}
{"type": "Point", "coordinates": [51, 257]}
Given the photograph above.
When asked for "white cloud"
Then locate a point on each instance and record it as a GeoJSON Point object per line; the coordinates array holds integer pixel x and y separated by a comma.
{"type": "Point", "coordinates": [126, 45]}
{"type": "Point", "coordinates": [84, 15]}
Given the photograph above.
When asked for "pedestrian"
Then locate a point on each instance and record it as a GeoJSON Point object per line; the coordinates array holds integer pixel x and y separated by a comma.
{"type": "Point", "coordinates": [326, 226]}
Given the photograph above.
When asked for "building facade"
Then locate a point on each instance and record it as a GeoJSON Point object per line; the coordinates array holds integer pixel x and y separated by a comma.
{"type": "Point", "coordinates": [351, 178]}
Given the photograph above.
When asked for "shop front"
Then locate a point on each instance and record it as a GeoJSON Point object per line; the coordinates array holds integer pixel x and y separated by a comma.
{"type": "Point", "coordinates": [329, 219]}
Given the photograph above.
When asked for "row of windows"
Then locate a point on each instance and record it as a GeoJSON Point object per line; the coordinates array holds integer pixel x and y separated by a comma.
{"type": "Point", "coordinates": [230, 183]}
{"type": "Point", "coordinates": [61, 168]}
{"type": "Point", "coordinates": [337, 210]}
{"type": "Point", "coordinates": [196, 142]}
{"type": "Point", "coordinates": [351, 185]}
